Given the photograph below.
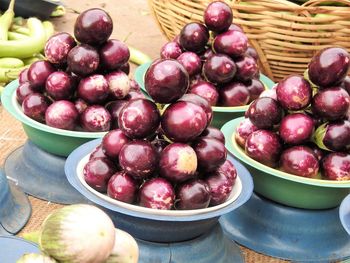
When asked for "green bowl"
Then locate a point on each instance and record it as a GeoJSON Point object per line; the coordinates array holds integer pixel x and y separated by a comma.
{"type": "Point", "coordinates": [285, 188]}
{"type": "Point", "coordinates": [221, 115]}
{"type": "Point", "coordinates": [56, 141]}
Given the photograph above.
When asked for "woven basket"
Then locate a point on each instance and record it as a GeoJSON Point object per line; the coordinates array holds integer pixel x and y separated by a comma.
{"type": "Point", "coordinates": [286, 35]}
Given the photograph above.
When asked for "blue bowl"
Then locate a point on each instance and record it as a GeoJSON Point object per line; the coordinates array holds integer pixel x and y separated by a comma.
{"type": "Point", "coordinates": [12, 248]}
{"type": "Point", "coordinates": [155, 227]}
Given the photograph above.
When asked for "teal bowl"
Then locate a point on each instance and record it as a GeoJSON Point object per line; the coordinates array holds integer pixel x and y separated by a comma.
{"type": "Point", "coordinates": [285, 188]}
{"type": "Point", "coordinates": [52, 140]}
{"type": "Point", "coordinates": [221, 115]}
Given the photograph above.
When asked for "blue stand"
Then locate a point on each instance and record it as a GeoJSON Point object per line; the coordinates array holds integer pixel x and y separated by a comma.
{"type": "Point", "coordinates": [41, 175]}
{"type": "Point", "coordinates": [211, 247]}
{"type": "Point", "coordinates": [288, 233]}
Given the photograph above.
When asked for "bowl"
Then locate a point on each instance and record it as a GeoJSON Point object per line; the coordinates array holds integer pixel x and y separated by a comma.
{"type": "Point", "coordinates": [285, 188]}
{"type": "Point", "coordinates": [154, 225]}
{"type": "Point", "coordinates": [28, 8]}
{"type": "Point", "coordinates": [344, 214]}
{"type": "Point", "coordinates": [221, 115]}
{"type": "Point", "coordinates": [12, 248]}
{"type": "Point", "coordinates": [56, 141]}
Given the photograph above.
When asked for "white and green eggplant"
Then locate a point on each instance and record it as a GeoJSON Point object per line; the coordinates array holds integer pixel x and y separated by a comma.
{"type": "Point", "coordinates": [35, 258]}
{"type": "Point", "coordinates": [78, 234]}
{"type": "Point", "coordinates": [125, 248]}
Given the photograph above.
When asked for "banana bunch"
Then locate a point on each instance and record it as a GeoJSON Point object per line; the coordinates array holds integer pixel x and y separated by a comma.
{"type": "Point", "coordinates": [21, 43]}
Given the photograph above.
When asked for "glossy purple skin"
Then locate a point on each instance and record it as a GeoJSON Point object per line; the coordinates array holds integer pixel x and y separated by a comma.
{"type": "Point", "coordinates": [113, 54]}
{"type": "Point", "coordinates": [59, 85]}
{"type": "Point", "coordinates": [346, 84]}
{"type": "Point", "coordinates": [299, 160]}
{"type": "Point", "coordinates": [234, 94]}
{"type": "Point", "coordinates": [247, 68]}
{"type": "Point", "coordinates": [135, 95]}
{"type": "Point", "coordinates": [296, 128]}
{"type": "Point", "coordinates": [95, 118]}
{"type": "Point", "coordinates": [118, 83]}
{"type": "Point", "coordinates": [178, 162]}
{"type": "Point", "coordinates": [114, 108]}
{"type": "Point", "coordinates": [194, 194]}
{"type": "Point", "coordinates": [243, 130]}
{"type": "Point", "coordinates": [122, 187]}
{"type": "Point", "coordinates": [319, 154]}
{"type": "Point", "coordinates": [139, 118]}
{"type": "Point", "coordinates": [337, 135]}
{"type": "Point", "coordinates": [166, 81]}
{"type": "Point", "coordinates": [97, 172]}
{"type": "Point", "coordinates": [134, 86]}
{"type": "Point", "coordinates": [294, 92]}
{"type": "Point", "coordinates": [193, 37]}
{"type": "Point", "coordinates": [62, 114]}
{"type": "Point", "coordinates": [206, 54]}
{"type": "Point", "coordinates": [191, 62]}
{"type": "Point", "coordinates": [252, 53]}
{"type": "Point", "coordinates": [331, 103]}
{"type": "Point", "coordinates": [218, 16]}
{"type": "Point", "coordinates": [93, 26]}
{"type": "Point", "coordinates": [219, 68]}
{"type": "Point", "coordinates": [211, 153]}
{"type": "Point", "coordinates": [170, 50]}
{"type": "Point", "coordinates": [232, 43]}
{"type": "Point", "coordinates": [38, 72]}
{"type": "Point", "coordinates": [157, 193]}
{"type": "Point", "coordinates": [125, 68]}
{"type": "Point", "coordinates": [329, 66]}
{"type": "Point", "coordinates": [255, 88]}
{"type": "Point", "coordinates": [229, 170]}
{"type": "Point", "coordinates": [98, 153]}
{"type": "Point", "coordinates": [83, 60]}
{"type": "Point", "coordinates": [235, 27]}
{"type": "Point", "coordinates": [336, 166]}
{"type": "Point", "coordinates": [138, 158]}
{"type": "Point", "coordinates": [183, 121]}
{"type": "Point", "coordinates": [58, 46]}
{"type": "Point", "coordinates": [207, 91]}
{"type": "Point", "coordinates": [93, 89]}
{"type": "Point", "coordinates": [23, 76]}
{"type": "Point", "coordinates": [160, 144]}
{"type": "Point", "coordinates": [220, 188]}
{"type": "Point", "coordinates": [200, 101]}
{"type": "Point", "coordinates": [269, 93]}
{"type": "Point", "coordinates": [264, 146]}
{"type": "Point", "coordinates": [34, 106]}
{"type": "Point", "coordinates": [113, 142]}
{"type": "Point", "coordinates": [23, 91]}
{"type": "Point", "coordinates": [264, 113]}
{"type": "Point", "coordinates": [80, 105]}
{"type": "Point", "coordinates": [196, 79]}
{"type": "Point", "coordinates": [215, 133]}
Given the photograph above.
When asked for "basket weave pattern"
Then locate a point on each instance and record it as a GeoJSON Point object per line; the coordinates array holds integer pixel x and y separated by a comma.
{"type": "Point", "coordinates": [286, 35]}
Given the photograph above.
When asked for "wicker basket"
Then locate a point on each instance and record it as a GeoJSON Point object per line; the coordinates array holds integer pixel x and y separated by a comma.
{"type": "Point", "coordinates": [286, 35]}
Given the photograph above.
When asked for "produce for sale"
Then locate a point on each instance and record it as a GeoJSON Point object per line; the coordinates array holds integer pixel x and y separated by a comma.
{"type": "Point", "coordinates": [214, 54]}
{"type": "Point", "coordinates": [315, 128]}
{"type": "Point", "coordinates": [35, 258]}
{"type": "Point", "coordinates": [220, 187]}
{"type": "Point", "coordinates": [212, 132]}
{"type": "Point", "coordinates": [78, 233]}
{"type": "Point", "coordinates": [62, 114]}
{"type": "Point", "coordinates": [90, 76]}
{"type": "Point", "coordinates": [200, 101]}
{"type": "Point", "coordinates": [113, 142]}
{"type": "Point", "coordinates": [122, 187]}
{"type": "Point", "coordinates": [35, 105]}
{"type": "Point", "coordinates": [194, 194]}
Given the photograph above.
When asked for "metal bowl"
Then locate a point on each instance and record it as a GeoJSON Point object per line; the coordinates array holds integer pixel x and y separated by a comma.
{"type": "Point", "coordinates": [149, 224]}
{"type": "Point", "coordinates": [285, 188]}
{"type": "Point", "coordinates": [221, 114]}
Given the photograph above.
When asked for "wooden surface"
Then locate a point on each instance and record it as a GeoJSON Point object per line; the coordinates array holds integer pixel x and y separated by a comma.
{"type": "Point", "coordinates": [133, 23]}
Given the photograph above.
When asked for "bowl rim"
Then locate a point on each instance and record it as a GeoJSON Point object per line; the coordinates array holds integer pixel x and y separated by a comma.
{"type": "Point", "coordinates": [229, 130]}
{"type": "Point", "coordinates": [141, 71]}
{"type": "Point", "coordinates": [9, 101]}
{"type": "Point", "coordinates": [344, 210]}
{"type": "Point", "coordinates": [75, 157]}
{"type": "Point", "coordinates": [235, 193]}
